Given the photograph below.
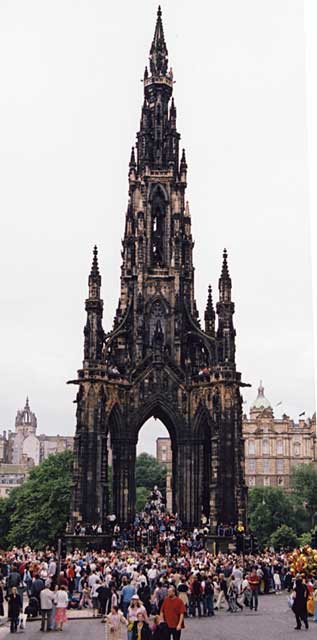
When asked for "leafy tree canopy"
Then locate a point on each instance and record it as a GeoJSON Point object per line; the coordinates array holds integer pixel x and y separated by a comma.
{"type": "Point", "coordinates": [141, 497]}
{"type": "Point", "coordinates": [284, 537]}
{"type": "Point", "coordinates": [304, 483]}
{"type": "Point", "coordinates": [149, 472]}
{"type": "Point", "coordinates": [271, 507]}
{"type": "Point", "coordinates": [36, 513]}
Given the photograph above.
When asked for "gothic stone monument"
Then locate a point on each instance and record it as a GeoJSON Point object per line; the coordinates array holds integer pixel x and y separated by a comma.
{"type": "Point", "coordinates": [157, 360]}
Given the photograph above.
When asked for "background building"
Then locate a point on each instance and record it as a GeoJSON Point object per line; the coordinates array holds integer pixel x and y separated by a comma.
{"type": "Point", "coordinates": [164, 456]}
{"type": "Point", "coordinates": [272, 446]}
{"type": "Point", "coordinates": [22, 449]}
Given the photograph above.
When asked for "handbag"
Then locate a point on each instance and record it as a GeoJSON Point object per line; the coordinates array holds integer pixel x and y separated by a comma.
{"type": "Point", "coordinates": [290, 601]}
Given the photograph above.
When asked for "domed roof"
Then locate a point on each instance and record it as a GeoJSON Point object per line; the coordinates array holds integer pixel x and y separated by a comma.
{"type": "Point", "coordinates": [261, 401]}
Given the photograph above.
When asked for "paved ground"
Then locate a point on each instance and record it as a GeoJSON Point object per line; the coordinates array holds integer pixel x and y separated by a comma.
{"type": "Point", "coordinates": [274, 620]}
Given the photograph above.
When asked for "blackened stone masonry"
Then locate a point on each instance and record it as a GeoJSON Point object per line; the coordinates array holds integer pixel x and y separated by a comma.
{"type": "Point", "coordinates": [157, 360]}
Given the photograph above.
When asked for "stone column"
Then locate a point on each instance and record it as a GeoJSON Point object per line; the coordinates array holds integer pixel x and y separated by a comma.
{"type": "Point", "coordinates": [123, 481]}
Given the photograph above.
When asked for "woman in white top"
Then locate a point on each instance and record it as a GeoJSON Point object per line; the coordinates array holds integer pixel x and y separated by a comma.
{"type": "Point", "coordinates": [61, 599]}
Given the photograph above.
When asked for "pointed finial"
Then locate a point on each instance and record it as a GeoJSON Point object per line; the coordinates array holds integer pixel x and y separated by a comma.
{"type": "Point", "coordinates": [187, 212]}
{"type": "Point", "coordinates": [183, 159]}
{"type": "Point", "coordinates": [132, 162]}
{"type": "Point", "coordinates": [225, 270]}
{"type": "Point", "coordinates": [158, 51]}
{"type": "Point", "coordinates": [95, 266]}
{"type": "Point", "coordinates": [27, 406]}
{"type": "Point", "coordinates": [261, 389]}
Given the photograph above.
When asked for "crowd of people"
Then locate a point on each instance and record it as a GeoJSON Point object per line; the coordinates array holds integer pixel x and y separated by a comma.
{"type": "Point", "coordinates": [154, 577]}
{"type": "Point", "coordinates": [133, 589]}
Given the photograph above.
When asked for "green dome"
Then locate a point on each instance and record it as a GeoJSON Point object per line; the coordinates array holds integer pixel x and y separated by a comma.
{"type": "Point", "coordinates": [261, 401]}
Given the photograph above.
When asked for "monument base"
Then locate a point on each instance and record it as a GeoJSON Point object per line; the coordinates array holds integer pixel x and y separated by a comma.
{"type": "Point", "coordinates": [97, 541]}
{"type": "Point", "coordinates": [220, 544]}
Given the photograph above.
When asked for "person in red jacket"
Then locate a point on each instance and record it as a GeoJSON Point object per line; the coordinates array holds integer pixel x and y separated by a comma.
{"type": "Point", "coordinates": [254, 582]}
{"type": "Point", "coordinates": [172, 612]}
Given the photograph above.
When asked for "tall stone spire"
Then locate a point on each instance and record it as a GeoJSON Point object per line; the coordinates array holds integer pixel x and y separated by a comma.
{"type": "Point", "coordinates": [225, 310]}
{"type": "Point", "coordinates": [93, 331]}
{"type": "Point", "coordinates": [210, 315]}
{"type": "Point", "coordinates": [225, 280]}
{"type": "Point", "coordinates": [158, 51]}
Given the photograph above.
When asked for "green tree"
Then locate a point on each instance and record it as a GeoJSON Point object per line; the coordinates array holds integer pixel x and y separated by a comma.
{"type": "Point", "coordinates": [149, 472]}
{"type": "Point", "coordinates": [305, 538]}
{"type": "Point", "coordinates": [304, 484]}
{"type": "Point", "coordinates": [284, 537]}
{"type": "Point", "coordinates": [141, 496]}
{"type": "Point", "coordinates": [269, 508]}
{"type": "Point", "coordinates": [38, 510]}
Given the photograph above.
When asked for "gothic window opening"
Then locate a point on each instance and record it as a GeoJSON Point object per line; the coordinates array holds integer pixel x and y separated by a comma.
{"type": "Point", "coordinates": [158, 231]}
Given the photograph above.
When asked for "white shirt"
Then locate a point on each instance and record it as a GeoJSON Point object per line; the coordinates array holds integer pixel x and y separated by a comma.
{"type": "Point", "coordinates": [61, 599]}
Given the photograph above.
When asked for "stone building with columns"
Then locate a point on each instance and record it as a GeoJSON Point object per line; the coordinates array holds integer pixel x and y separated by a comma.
{"type": "Point", "coordinates": [272, 445]}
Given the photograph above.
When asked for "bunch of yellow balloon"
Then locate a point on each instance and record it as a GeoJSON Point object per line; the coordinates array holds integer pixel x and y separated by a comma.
{"type": "Point", "coordinates": [304, 561]}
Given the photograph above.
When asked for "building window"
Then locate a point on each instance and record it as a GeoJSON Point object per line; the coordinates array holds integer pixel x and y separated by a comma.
{"type": "Point", "coordinates": [163, 456]}
{"type": "Point", "coordinates": [266, 447]}
{"type": "Point", "coordinates": [251, 466]}
{"type": "Point", "coordinates": [280, 466]}
{"type": "Point", "coordinates": [296, 448]}
{"type": "Point", "coordinates": [251, 447]}
{"type": "Point", "coordinates": [266, 481]}
{"type": "Point", "coordinates": [266, 466]}
{"type": "Point", "coordinates": [279, 447]}
{"type": "Point", "coordinates": [252, 482]}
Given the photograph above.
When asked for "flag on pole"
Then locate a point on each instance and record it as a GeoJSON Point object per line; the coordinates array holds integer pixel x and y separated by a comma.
{"type": "Point", "coordinates": [302, 414]}
{"type": "Point", "coordinates": [278, 404]}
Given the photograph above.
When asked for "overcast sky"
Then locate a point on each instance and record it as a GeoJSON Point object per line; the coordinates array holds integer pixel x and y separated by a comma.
{"type": "Point", "coordinates": [70, 105]}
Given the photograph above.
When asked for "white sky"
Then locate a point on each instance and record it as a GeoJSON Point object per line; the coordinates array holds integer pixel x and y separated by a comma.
{"type": "Point", "coordinates": [70, 106]}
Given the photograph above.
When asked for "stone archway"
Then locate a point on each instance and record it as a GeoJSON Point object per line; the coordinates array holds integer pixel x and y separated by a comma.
{"type": "Point", "coordinates": [191, 461]}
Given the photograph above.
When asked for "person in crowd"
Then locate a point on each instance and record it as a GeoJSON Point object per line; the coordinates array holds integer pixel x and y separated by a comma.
{"type": "Point", "coordinates": [223, 591]}
{"type": "Point", "coordinates": [85, 599]}
{"type": "Point", "coordinates": [183, 590]}
{"type": "Point", "coordinates": [61, 607]}
{"type": "Point", "coordinates": [115, 621]}
{"type": "Point", "coordinates": [47, 597]}
{"type": "Point", "coordinates": [195, 600]}
{"type": "Point", "coordinates": [208, 596]}
{"type": "Point", "coordinates": [1, 598]}
{"type": "Point", "coordinates": [95, 598]}
{"type": "Point", "coordinates": [103, 592]}
{"type": "Point", "coordinates": [300, 602]}
{"type": "Point", "coordinates": [254, 581]}
{"type": "Point", "coordinates": [141, 629]}
{"type": "Point", "coordinates": [126, 595]}
{"type": "Point", "coordinates": [173, 612]}
{"type": "Point", "coordinates": [14, 609]}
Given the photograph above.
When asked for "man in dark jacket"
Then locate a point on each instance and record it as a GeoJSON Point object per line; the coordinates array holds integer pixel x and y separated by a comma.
{"type": "Point", "coordinates": [14, 579]}
{"type": "Point", "coordinates": [14, 609]}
